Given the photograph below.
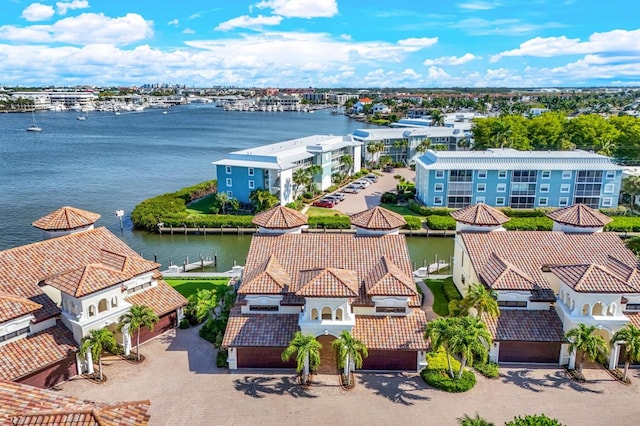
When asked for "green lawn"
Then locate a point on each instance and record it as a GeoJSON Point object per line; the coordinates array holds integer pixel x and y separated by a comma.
{"type": "Point", "coordinates": [440, 301]}
{"type": "Point", "coordinates": [403, 210]}
{"type": "Point", "coordinates": [187, 287]}
{"type": "Point", "coordinates": [202, 206]}
{"type": "Point", "coordinates": [321, 211]}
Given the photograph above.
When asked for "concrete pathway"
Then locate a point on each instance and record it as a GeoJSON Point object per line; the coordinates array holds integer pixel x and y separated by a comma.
{"type": "Point", "coordinates": [427, 300]}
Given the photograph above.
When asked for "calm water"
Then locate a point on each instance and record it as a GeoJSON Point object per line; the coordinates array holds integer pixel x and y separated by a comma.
{"type": "Point", "coordinates": [108, 162]}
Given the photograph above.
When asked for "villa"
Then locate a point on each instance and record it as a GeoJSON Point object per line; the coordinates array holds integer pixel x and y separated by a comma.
{"type": "Point", "coordinates": [547, 282]}
{"type": "Point", "coordinates": [517, 179]}
{"type": "Point", "coordinates": [322, 284]}
{"type": "Point", "coordinates": [54, 292]}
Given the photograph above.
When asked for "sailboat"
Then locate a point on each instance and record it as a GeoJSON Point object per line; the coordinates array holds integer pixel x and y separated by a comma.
{"type": "Point", "coordinates": [34, 127]}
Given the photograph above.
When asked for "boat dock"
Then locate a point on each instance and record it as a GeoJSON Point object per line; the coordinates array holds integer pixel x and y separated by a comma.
{"type": "Point", "coordinates": [426, 271]}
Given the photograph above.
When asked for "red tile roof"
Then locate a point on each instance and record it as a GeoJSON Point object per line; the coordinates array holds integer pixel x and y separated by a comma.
{"type": "Point", "coordinates": [23, 356]}
{"type": "Point", "coordinates": [480, 214]}
{"type": "Point", "coordinates": [27, 405]}
{"type": "Point", "coordinates": [392, 332]}
{"type": "Point", "coordinates": [87, 279]}
{"type": "Point", "coordinates": [14, 306]}
{"type": "Point", "coordinates": [592, 279]}
{"type": "Point", "coordinates": [280, 217]}
{"type": "Point", "coordinates": [581, 216]}
{"type": "Point", "coordinates": [66, 218]}
{"type": "Point", "coordinates": [378, 218]}
{"type": "Point", "coordinates": [268, 278]}
{"type": "Point", "coordinates": [328, 282]}
{"type": "Point", "coordinates": [386, 279]}
{"type": "Point", "coordinates": [161, 299]}
{"type": "Point", "coordinates": [525, 325]}
{"type": "Point", "coordinates": [265, 330]}
{"type": "Point", "coordinates": [502, 275]}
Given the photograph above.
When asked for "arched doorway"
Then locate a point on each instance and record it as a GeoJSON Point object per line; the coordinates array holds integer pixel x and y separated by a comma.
{"type": "Point", "coordinates": [328, 356]}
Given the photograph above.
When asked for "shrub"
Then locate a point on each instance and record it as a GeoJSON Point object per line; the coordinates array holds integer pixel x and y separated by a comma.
{"type": "Point", "coordinates": [330, 222]}
{"type": "Point", "coordinates": [412, 222]}
{"type": "Point", "coordinates": [533, 420]}
{"type": "Point", "coordinates": [529, 224]}
{"type": "Point", "coordinates": [184, 323]}
{"type": "Point", "coordinates": [623, 224]}
{"type": "Point", "coordinates": [296, 205]}
{"type": "Point", "coordinates": [440, 223]}
{"type": "Point", "coordinates": [418, 208]}
{"type": "Point", "coordinates": [213, 331]}
{"type": "Point", "coordinates": [440, 379]}
{"type": "Point", "coordinates": [617, 211]}
{"type": "Point", "coordinates": [438, 361]}
{"type": "Point", "coordinates": [221, 358]}
{"type": "Point", "coordinates": [524, 212]}
{"type": "Point", "coordinates": [488, 369]}
{"type": "Point", "coordinates": [450, 290]}
{"type": "Point", "coordinates": [215, 221]}
{"type": "Point", "coordinates": [389, 198]}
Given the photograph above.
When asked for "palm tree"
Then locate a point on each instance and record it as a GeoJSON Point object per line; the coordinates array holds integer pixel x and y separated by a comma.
{"type": "Point", "coordinates": [307, 350]}
{"type": "Point", "coordinates": [373, 148]}
{"type": "Point", "coordinates": [96, 342]}
{"type": "Point", "coordinates": [468, 340]}
{"type": "Point", "coordinates": [347, 161]}
{"type": "Point", "coordinates": [481, 300]}
{"type": "Point", "coordinates": [630, 336]}
{"type": "Point", "coordinates": [424, 145]}
{"type": "Point", "coordinates": [300, 179]}
{"type": "Point", "coordinates": [351, 351]}
{"type": "Point", "coordinates": [437, 118]}
{"type": "Point", "coordinates": [583, 339]}
{"type": "Point", "coordinates": [439, 331]}
{"type": "Point", "coordinates": [202, 303]}
{"type": "Point", "coordinates": [137, 317]}
{"type": "Point", "coordinates": [402, 145]}
{"type": "Point", "coordinates": [467, 420]}
{"type": "Point", "coordinates": [500, 132]}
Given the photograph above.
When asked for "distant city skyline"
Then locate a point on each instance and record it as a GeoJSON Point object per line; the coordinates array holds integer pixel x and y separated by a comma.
{"type": "Point", "coordinates": [321, 43]}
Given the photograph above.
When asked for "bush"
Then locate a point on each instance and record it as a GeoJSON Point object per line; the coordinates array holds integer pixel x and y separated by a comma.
{"type": "Point", "coordinates": [389, 198]}
{"type": "Point", "coordinates": [412, 222]}
{"type": "Point", "coordinates": [440, 379]}
{"type": "Point", "coordinates": [330, 222]}
{"type": "Point", "coordinates": [184, 323]}
{"type": "Point", "coordinates": [533, 420]}
{"type": "Point", "coordinates": [439, 223]}
{"type": "Point", "coordinates": [421, 210]}
{"type": "Point", "coordinates": [624, 224]}
{"type": "Point", "coordinates": [529, 224]}
{"type": "Point", "coordinates": [221, 358]}
{"type": "Point", "coordinates": [487, 369]}
{"type": "Point", "coordinates": [215, 221]}
{"type": "Point", "coordinates": [438, 361]}
{"type": "Point", "coordinates": [524, 212]}
{"type": "Point", "coordinates": [296, 205]}
{"type": "Point", "coordinates": [213, 331]}
{"type": "Point", "coordinates": [617, 211]}
{"type": "Point", "coordinates": [450, 290]}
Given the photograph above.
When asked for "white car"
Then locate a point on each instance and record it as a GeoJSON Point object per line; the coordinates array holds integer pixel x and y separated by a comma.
{"type": "Point", "coordinates": [352, 189]}
{"type": "Point", "coordinates": [362, 183]}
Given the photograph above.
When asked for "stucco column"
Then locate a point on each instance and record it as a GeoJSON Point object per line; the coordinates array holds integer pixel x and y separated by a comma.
{"type": "Point", "coordinates": [126, 340]}
{"type": "Point", "coordinates": [89, 362]}
{"type": "Point", "coordinates": [572, 360]}
{"type": "Point", "coordinates": [614, 356]}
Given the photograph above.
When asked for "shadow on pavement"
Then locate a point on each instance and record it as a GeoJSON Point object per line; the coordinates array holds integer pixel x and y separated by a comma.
{"type": "Point", "coordinates": [522, 377]}
{"type": "Point", "coordinates": [260, 386]}
{"type": "Point", "coordinates": [200, 353]}
{"type": "Point", "coordinates": [395, 387]}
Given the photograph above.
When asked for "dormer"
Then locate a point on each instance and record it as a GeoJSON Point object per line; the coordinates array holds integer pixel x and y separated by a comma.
{"type": "Point", "coordinates": [263, 291]}
{"type": "Point", "coordinates": [16, 316]}
{"type": "Point", "coordinates": [389, 288]}
{"type": "Point", "coordinates": [280, 220]}
{"type": "Point", "coordinates": [479, 218]}
{"type": "Point", "coordinates": [66, 220]}
{"type": "Point", "coordinates": [377, 221]}
{"type": "Point", "coordinates": [578, 218]}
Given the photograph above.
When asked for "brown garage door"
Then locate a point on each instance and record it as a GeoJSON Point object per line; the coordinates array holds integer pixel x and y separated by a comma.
{"type": "Point", "coordinates": [547, 352]}
{"type": "Point", "coordinates": [390, 360]}
{"type": "Point", "coordinates": [52, 374]}
{"type": "Point", "coordinates": [263, 358]}
{"type": "Point", "coordinates": [165, 323]}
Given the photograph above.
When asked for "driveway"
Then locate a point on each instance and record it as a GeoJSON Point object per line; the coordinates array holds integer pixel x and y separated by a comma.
{"type": "Point", "coordinates": [185, 388]}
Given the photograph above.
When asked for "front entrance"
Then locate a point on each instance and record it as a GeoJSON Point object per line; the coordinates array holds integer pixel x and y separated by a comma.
{"type": "Point", "coordinates": [328, 355]}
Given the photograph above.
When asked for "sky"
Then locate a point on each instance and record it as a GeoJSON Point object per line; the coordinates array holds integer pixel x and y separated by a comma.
{"type": "Point", "coordinates": [321, 43]}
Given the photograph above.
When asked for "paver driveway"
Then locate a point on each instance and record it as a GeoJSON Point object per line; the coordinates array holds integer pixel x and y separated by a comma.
{"type": "Point", "coordinates": [180, 378]}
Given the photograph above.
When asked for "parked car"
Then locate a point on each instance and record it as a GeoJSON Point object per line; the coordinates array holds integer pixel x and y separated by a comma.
{"type": "Point", "coordinates": [324, 202]}
{"type": "Point", "coordinates": [388, 169]}
{"type": "Point", "coordinates": [371, 177]}
{"type": "Point", "coordinates": [338, 195]}
{"type": "Point", "coordinates": [361, 183]}
{"type": "Point", "coordinates": [333, 198]}
{"type": "Point", "coordinates": [352, 189]}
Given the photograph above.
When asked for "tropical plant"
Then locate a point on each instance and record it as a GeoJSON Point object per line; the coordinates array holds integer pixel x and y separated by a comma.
{"type": "Point", "coordinates": [480, 300]}
{"type": "Point", "coordinates": [347, 161]}
{"type": "Point", "coordinates": [533, 420]}
{"type": "Point", "coordinates": [437, 118]}
{"type": "Point", "coordinates": [307, 350]}
{"type": "Point", "coordinates": [96, 342]}
{"type": "Point", "coordinates": [440, 332]}
{"type": "Point", "coordinates": [350, 352]}
{"type": "Point", "coordinates": [467, 420]}
{"type": "Point", "coordinates": [201, 304]}
{"type": "Point", "coordinates": [137, 317]}
{"type": "Point", "coordinates": [500, 132]}
{"type": "Point", "coordinates": [424, 145]}
{"type": "Point", "coordinates": [630, 336]}
{"type": "Point", "coordinates": [373, 148]}
{"type": "Point", "coordinates": [262, 200]}
{"type": "Point", "coordinates": [631, 185]}
{"type": "Point", "coordinates": [583, 339]}
{"type": "Point", "coordinates": [468, 340]}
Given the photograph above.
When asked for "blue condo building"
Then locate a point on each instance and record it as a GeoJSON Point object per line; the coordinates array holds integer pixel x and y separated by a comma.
{"type": "Point", "coordinates": [517, 179]}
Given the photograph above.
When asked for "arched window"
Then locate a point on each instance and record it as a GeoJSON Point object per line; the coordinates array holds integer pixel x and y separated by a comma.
{"type": "Point", "coordinates": [92, 310]}
{"type": "Point", "coordinates": [585, 309]}
{"type": "Point", "coordinates": [611, 310]}
{"type": "Point", "coordinates": [314, 314]}
{"type": "Point", "coordinates": [326, 313]}
{"type": "Point", "coordinates": [103, 305]}
{"type": "Point", "coordinates": [114, 301]}
{"type": "Point", "coordinates": [339, 314]}
{"type": "Point", "coordinates": [598, 309]}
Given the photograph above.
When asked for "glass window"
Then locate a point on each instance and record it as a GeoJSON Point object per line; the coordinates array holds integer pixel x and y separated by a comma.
{"type": "Point", "coordinates": [437, 201]}
{"type": "Point", "coordinates": [228, 169]}
{"type": "Point", "coordinates": [607, 202]}
{"type": "Point", "coordinates": [565, 187]}
{"type": "Point", "coordinates": [481, 187]}
{"type": "Point", "coordinates": [546, 174]}
{"type": "Point", "coordinates": [608, 188]}
{"type": "Point", "coordinates": [250, 171]}
{"type": "Point", "coordinates": [479, 199]}
{"type": "Point", "coordinates": [229, 182]}
{"type": "Point", "coordinates": [230, 194]}
{"type": "Point", "coordinates": [502, 187]}
{"type": "Point", "coordinates": [566, 174]}
{"type": "Point", "coordinates": [482, 174]}
{"type": "Point", "coordinates": [543, 201]}
{"type": "Point", "coordinates": [499, 201]}
{"type": "Point", "coordinates": [502, 174]}
{"type": "Point", "coordinates": [563, 201]}
{"type": "Point", "coordinates": [611, 174]}
{"type": "Point", "coordinates": [439, 174]}
{"type": "Point", "coordinates": [544, 187]}
{"type": "Point", "coordinates": [512, 303]}
{"type": "Point", "coordinates": [438, 187]}
{"type": "Point", "coordinates": [252, 184]}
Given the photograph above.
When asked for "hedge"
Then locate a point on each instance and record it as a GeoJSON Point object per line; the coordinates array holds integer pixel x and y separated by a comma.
{"type": "Point", "coordinates": [441, 222]}
{"type": "Point", "coordinates": [525, 212]}
{"type": "Point", "coordinates": [330, 222]}
{"type": "Point", "coordinates": [428, 211]}
{"type": "Point", "coordinates": [450, 290]}
{"type": "Point", "coordinates": [440, 379]}
{"type": "Point", "coordinates": [624, 224]}
{"type": "Point", "coordinates": [413, 222]}
{"type": "Point", "coordinates": [529, 224]}
{"type": "Point", "coordinates": [213, 221]}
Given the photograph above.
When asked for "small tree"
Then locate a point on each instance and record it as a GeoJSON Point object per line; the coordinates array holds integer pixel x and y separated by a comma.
{"type": "Point", "coordinates": [201, 304]}
{"type": "Point", "coordinates": [440, 332]}
{"type": "Point", "coordinates": [262, 200]}
{"type": "Point", "coordinates": [533, 420]}
{"type": "Point", "coordinates": [307, 350]}
{"type": "Point", "coordinates": [137, 317]}
{"type": "Point", "coordinates": [350, 352]}
{"type": "Point", "coordinates": [467, 420]}
{"type": "Point", "coordinates": [468, 340]}
{"type": "Point", "coordinates": [480, 300]}
{"type": "Point", "coordinates": [96, 342]}
{"type": "Point", "coordinates": [630, 336]}
{"type": "Point", "coordinates": [347, 161]}
{"type": "Point", "coordinates": [583, 339]}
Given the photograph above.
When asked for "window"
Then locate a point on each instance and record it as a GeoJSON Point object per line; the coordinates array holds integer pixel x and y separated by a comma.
{"type": "Point", "coordinates": [499, 201]}
{"type": "Point", "coordinates": [103, 305]}
{"type": "Point", "coordinates": [482, 174]}
{"type": "Point", "coordinates": [228, 170]}
{"type": "Point", "coordinates": [566, 174]}
{"type": "Point", "coordinates": [502, 187]}
{"type": "Point", "coordinates": [608, 188]}
{"type": "Point", "coordinates": [512, 303]}
{"type": "Point", "coordinates": [437, 201]}
{"type": "Point", "coordinates": [439, 174]}
{"type": "Point", "coordinates": [229, 182]}
{"type": "Point", "coordinates": [543, 201]}
{"type": "Point", "coordinates": [563, 201]}
{"type": "Point", "coordinates": [326, 313]}
{"type": "Point", "coordinates": [230, 194]}
{"type": "Point", "coordinates": [252, 184]}
{"type": "Point", "coordinates": [565, 187]}
{"type": "Point", "coordinates": [546, 174]}
{"type": "Point", "coordinates": [502, 174]}
{"type": "Point", "coordinates": [438, 187]}
{"type": "Point", "coordinates": [390, 310]}
{"type": "Point", "coordinates": [482, 187]}
{"type": "Point", "coordinates": [263, 308]}
{"type": "Point", "coordinates": [479, 199]}
{"type": "Point", "coordinates": [250, 171]}
{"type": "Point", "coordinates": [607, 202]}
{"type": "Point", "coordinates": [632, 307]}
{"type": "Point", "coordinates": [544, 187]}
{"type": "Point", "coordinates": [13, 334]}
{"type": "Point", "coordinates": [610, 174]}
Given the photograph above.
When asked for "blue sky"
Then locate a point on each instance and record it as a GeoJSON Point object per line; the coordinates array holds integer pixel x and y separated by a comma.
{"type": "Point", "coordinates": [321, 43]}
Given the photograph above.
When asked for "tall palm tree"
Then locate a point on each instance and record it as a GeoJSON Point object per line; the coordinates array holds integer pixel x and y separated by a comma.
{"type": "Point", "coordinates": [583, 339]}
{"type": "Point", "coordinates": [307, 350]}
{"type": "Point", "coordinates": [402, 145]}
{"type": "Point", "coordinates": [630, 336]}
{"type": "Point", "coordinates": [424, 145]}
{"type": "Point", "coordinates": [351, 352]}
{"type": "Point", "coordinates": [480, 300]}
{"type": "Point", "coordinates": [300, 179]}
{"type": "Point", "coordinates": [96, 342]}
{"type": "Point", "coordinates": [373, 148]}
{"type": "Point", "coordinates": [468, 340]}
{"type": "Point", "coordinates": [440, 332]}
{"type": "Point", "coordinates": [500, 132]}
{"type": "Point", "coordinates": [437, 118]}
{"type": "Point", "coordinates": [347, 161]}
{"type": "Point", "coordinates": [137, 317]}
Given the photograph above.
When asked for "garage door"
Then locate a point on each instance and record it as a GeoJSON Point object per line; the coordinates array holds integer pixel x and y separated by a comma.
{"type": "Point", "coordinates": [53, 374]}
{"type": "Point", "coordinates": [390, 360]}
{"type": "Point", "coordinates": [547, 352]}
{"type": "Point", "coordinates": [165, 323]}
{"type": "Point", "coordinates": [263, 358]}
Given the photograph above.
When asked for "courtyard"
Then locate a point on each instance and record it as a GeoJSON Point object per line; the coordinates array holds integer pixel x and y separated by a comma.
{"type": "Point", "coordinates": [180, 378]}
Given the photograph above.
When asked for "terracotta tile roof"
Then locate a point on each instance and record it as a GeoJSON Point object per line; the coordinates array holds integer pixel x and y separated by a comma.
{"type": "Point", "coordinates": [328, 282]}
{"type": "Point", "coordinates": [386, 279]}
{"type": "Point", "coordinates": [23, 356]}
{"type": "Point", "coordinates": [392, 332]}
{"type": "Point", "coordinates": [27, 405]}
{"type": "Point", "coordinates": [591, 279]}
{"type": "Point", "coordinates": [499, 274]}
{"type": "Point", "coordinates": [529, 251]}
{"type": "Point", "coordinates": [267, 330]}
{"type": "Point", "coordinates": [161, 299]}
{"type": "Point", "coordinates": [14, 306]}
{"type": "Point", "coordinates": [525, 325]}
{"type": "Point", "coordinates": [87, 279]}
{"type": "Point", "coordinates": [280, 217]}
{"type": "Point", "coordinates": [269, 278]}
{"type": "Point", "coordinates": [580, 215]}
{"type": "Point", "coordinates": [634, 318]}
{"type": "Point", "coordinates": [378, 218]}
{"type": "Point", "coordinates": [480, 214]}
{"type": "Point", "coordinates": [22, 268]}
{"type": "Point", "coordinates": [66, 218]}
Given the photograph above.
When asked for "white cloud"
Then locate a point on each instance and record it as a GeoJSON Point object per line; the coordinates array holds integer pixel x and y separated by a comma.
{"type": "Point", "coordinates": [478, 5]}
{"type": "Point", "coordinates": [451, 60]}
{"type": "Point", "coordinates": [410, 73]}
{"type": "Point", "coordinates": [437, 73]}
{"type": "Point", "coordinates": [188, 31]}
{"type": "Point", "coordinates": [64, 6]}
{"type": "Point", "coordinates": [418, 42]}
{"type": "Point", "coordinates": [37, 12]}
{"type": "Point", "coordinates": [84, 29]}
{"type": "Point", "coordinates": [173, 22]}
{"type": "Point", "coordinates": [503, 27]}
{"type": "Point", "coordinates": [301, 8]}
{"type": "Point", "coordinates": [245, 21]}
{"type": "Point", "coordinates": [346, 37]}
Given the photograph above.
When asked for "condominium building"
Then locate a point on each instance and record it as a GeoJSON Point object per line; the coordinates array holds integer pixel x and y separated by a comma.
{"type": "Point", "coordinates": [517, 179]}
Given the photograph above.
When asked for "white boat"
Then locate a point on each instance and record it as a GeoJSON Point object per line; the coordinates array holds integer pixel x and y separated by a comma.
{"type": "Point", "coordinates": [81, 117]}
{"type": "Point", "coordinates": [34, 127]}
